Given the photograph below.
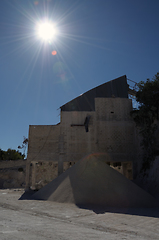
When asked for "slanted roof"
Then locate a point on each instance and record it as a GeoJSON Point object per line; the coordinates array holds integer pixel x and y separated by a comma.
{"type": "Point", "coordinates": [85, 102]}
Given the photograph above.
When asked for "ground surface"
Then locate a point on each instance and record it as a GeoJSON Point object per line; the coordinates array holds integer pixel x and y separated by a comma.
{"type": "Point", "coordinates": [32, 219]}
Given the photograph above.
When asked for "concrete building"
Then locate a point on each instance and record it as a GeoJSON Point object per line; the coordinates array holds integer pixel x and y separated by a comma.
{"type": "Point", "coordinates": [97, 121]}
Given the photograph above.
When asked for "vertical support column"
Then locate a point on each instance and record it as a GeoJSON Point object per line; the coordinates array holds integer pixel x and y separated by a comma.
{"type": "Point", "coordinates": [33, 175]}
{"type": "Point", "coordinates": [27, 176]}
{"type": "Point", "coordinates": [61, 152]}
{"type": "Point", "coordinates": [128, 170]}
{"type": "Point", "coordinates": [60, 165]}
{"type": "Point", "coordinates": [28, 161]}
{"type": "Point", "coordinates": [124, 169]}
{"type": "Point", "coordinates": [89, 150]}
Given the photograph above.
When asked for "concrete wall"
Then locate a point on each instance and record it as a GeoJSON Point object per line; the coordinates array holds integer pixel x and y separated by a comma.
{"type": "Point", "coordinates": [44, 172]}
{"type": "Point", "coordinates": [43, 143]}
{"type": "Point", "coordinates": [12, 173]}
{"type": "Point", "coordinates": [110, 130]}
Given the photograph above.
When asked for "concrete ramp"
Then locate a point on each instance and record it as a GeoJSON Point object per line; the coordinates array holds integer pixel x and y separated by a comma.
{"type": "Point", "coordinates": [92, 182]}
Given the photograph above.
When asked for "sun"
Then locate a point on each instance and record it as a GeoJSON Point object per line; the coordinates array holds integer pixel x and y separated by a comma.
{"type": "Point", "coordinates": [46, 31]}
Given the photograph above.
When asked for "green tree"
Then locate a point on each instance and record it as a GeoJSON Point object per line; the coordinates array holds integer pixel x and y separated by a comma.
{"type": "Point", "coordinates": [11, 154]}
{"type": "Point", "coordinates": [145, 116]}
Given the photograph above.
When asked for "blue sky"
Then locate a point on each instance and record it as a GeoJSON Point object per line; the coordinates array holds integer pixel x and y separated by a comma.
{"type": "Point", "coordinates": [98, 40]}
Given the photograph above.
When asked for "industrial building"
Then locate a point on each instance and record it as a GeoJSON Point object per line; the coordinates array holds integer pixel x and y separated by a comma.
{"type": "Point", "coordinates": [96, 122]}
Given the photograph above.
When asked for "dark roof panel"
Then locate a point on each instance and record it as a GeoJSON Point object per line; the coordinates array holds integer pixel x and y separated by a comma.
{"type": "Point", "coordinates": [85, 102]}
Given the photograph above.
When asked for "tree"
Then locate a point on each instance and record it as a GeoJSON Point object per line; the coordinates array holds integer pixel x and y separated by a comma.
{"type": "Point", "coordinates": [24, 145]}
{"type": "Point", "coordinates": [11, 154]}
{"type": "Point", "coordinates": [145, 116]}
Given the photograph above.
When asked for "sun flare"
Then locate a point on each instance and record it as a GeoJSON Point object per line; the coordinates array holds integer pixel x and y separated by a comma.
{"type": "Point", "coordinates": [47, 31]}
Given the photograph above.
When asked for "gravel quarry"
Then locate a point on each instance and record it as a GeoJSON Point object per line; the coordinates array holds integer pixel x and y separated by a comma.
{"type": "Point", "coordinates": [88, 201]}
{"type": "Point", "coordinates": [42, 220]}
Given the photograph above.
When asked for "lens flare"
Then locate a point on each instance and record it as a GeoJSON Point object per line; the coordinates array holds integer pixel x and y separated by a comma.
{"type": "Point", "coordinates": [54, 52]}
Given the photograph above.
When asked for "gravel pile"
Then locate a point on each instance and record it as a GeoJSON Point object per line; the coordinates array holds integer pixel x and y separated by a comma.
{"type": "Point", "coordinates": [92, 182]}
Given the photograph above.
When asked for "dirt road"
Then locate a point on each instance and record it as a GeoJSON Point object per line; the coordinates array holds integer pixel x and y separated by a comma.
{"type": "Point", "coordinates": [28, 219]}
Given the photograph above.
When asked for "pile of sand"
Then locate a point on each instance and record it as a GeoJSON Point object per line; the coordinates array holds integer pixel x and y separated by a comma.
{"type": "Point", "coordinates": [92, 182]}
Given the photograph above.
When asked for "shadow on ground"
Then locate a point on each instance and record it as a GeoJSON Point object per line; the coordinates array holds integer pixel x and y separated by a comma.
{"type": "Point", "coordinates": [147, 212]}
{"type": "Point", "coordinates": [27, 195]}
